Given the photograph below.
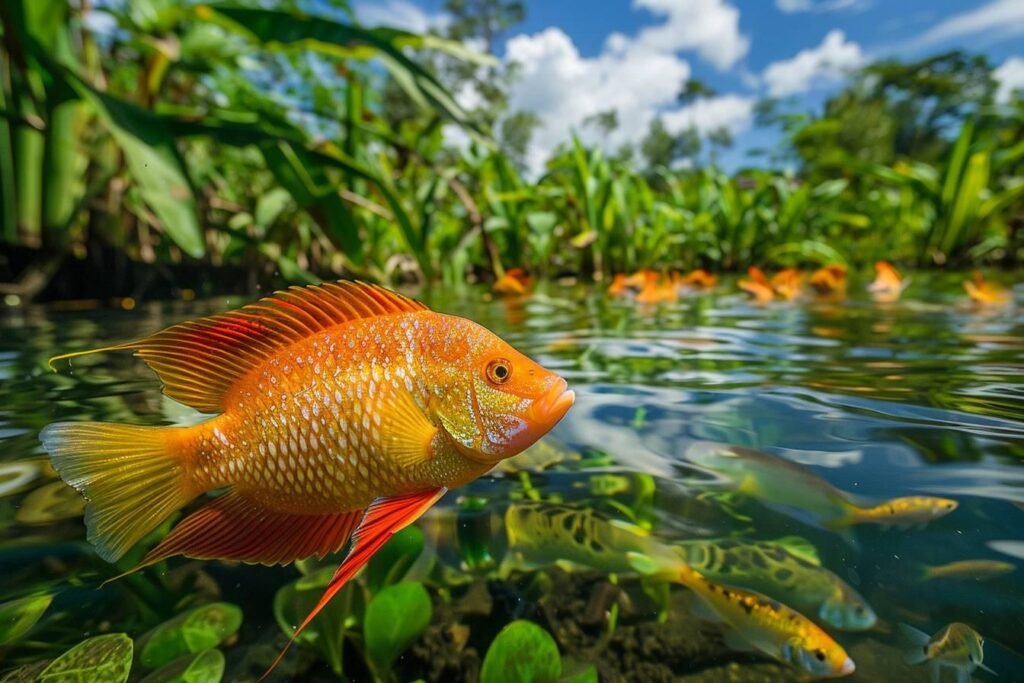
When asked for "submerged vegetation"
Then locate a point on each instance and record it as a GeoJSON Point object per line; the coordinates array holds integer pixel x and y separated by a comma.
{"type": "Point", "coordinates": [229, 147]}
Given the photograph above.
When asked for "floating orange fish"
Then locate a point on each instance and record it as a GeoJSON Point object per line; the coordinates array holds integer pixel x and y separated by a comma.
{"type": "Point", "coordinates": [515, 282]}
{"type": "Point", "coordinates": [787, 283]}
{"type": "Point", "coordinates": [986, 293]}
{"type": "Point", "coordinates": [829, 282]}
{"type": "Point", "coordinates": [618, 286]}
{"type": "Point", "coordinates": [699, 279]}
{"type": "Point", "coordinates": [757, 286]}
{"type": "Point", "coordinates": [888, 284]}
{"type": "Point", "coordinates": [641, 279]}
{"type": "Point", "coordinates": [657, 291]}
{"type": "Point", "coordinates": [342, 411]}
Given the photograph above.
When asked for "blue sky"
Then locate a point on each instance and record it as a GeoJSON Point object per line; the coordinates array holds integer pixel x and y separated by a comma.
{"type": "Point", "coordinates": [577, 57]}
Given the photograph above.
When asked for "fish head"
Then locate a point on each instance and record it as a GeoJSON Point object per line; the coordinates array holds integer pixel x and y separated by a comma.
{"type": "Point", "coordinates": [847, 611]}
{"type": "Point", "coordinates": [819, 655]}
{"type": "Point", "coordinates": [498, 402]}
{"type": "Point", "coordinates": [920, 509]}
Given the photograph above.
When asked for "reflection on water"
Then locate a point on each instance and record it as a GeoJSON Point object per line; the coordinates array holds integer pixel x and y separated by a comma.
{"type": "Point", "coordinates": [843, 405]}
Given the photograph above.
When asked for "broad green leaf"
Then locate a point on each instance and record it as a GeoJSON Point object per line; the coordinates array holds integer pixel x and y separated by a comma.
{"type": "Point", "coordinates": [50, 503]}
{"type": "Point", "coordinates": [389, 564]}
{"type": "Point", "coordinates": [395, 618]}
{"type": "Point", "coordinates": [103, 659]}
{"type": "Point", "coordinates": [193, 631]}
{"type": "Point", "coordinates": [154, 164]}
{"type": "Point", "coordinates": [522, 652]}
{"type": "Point", "coordinates": [205, 667]}
{"type": "Point", "coordinates": [17, 617]}
{"type": "Point", "coordinates": [270, 205]}
{"type": "Point", "coordinates": [960, 222]}
{"type": "Point", "coordinates": [326, 634]}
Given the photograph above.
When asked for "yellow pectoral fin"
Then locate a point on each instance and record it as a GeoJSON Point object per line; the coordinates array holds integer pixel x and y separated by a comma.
{"type": "Point", "coordinates": [408, 432]}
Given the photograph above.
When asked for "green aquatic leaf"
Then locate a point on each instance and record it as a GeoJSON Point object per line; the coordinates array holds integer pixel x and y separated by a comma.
{"type": "Point", "coordinates": [326, 634]}
{"type": "Point", "coordinates": [193, 631]}
{"type": "Point", "coordinates": [17, 617]}
{"type": "Point", "coordinates": [205, 667]}
{"type": "Point", "coordinates": [103, 659]}
{"type": "Point", "coordinates": [522, 652]}
{"type": "Point", "coordinates": [50, 503]}
{"type": "Point", "coordinates": [17, 475]}
{"type": "Point", "coordinates": [395, 618]}
{"type": "Point", "coordinates": [25, 674]}
{"type": "Point", "coordinates": [390, 564]}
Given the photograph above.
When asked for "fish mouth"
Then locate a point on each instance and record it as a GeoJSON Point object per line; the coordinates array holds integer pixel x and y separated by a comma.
{"type": "Point", "coordinates": [847, 668]}
{"type": "Point", "coordinates": [547, 410]}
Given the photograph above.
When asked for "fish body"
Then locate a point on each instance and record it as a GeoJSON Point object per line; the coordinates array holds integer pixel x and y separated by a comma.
{"type": "Point", "coordinates": [903, 512]}
{"type": "Point", "coordinates": [771, 569]}
{"type": "Point", "coordinates": [956, 646]}
{"type": "Point", "coordinates": [757, 286]}
{"type": "Point", "coordinates": [986, 293]}
{"type": "Point", "coordinates": [618, 286]}
{"type": "Point", "coordinates": [779, 482]}
{"type": "Point", "coordinates": [699, 279]}
{"type": "Point", "coordinates": [515, 282]}
{"type": "Point", "coordinates": [829, 282]}
{"type": "Point", "coordinates": [756, 620]}
{"type": "Point", "coordinates": [341, 411]}
{"type": "Point", "coordinates": [888, 285]}
{"type": "Point", "coordinates": [968, 570]}
{"type": "Point", "coordinates": [543, 535]}
{"type": "Point", "coordinates": [788, 283]}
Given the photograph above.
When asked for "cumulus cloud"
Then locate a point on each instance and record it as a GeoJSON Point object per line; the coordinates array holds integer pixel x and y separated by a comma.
{"type": "Point", "coordinates": [810, 68]}
{"type": "Point", "coordinates": [734, 112]}
{"type": "Point", "coordinates": [795, 6]}
{"type": "Point", "coordinates": [399, 14]}
{"type": "Point", "coordinates": [998, 19]}
{"type": "Point", "coordinates": [563, 88]}
{"type": "Point", "coordinates": [709, 27]}
{"type": "Point", "coordinates": [1010, 77]}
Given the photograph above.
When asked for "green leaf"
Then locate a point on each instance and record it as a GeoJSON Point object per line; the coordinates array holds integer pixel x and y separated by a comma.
{"type": "Point", "coordinates": [154, 164]}
{"type": "Point", "coordinates": [270, 205]}
{"type": "Point", "coordinates": [327, 632]}
{"type": "Point", "coordinates": [389, 564]}
{"type": "Point", "coordinates": [395, 618]}
{"type": "Point", "coordinates": [103, 659]}
{"type": "Point", "coordinates": [17, 617]}
{"type": "Point", "coordinates": [522, 653]}
{"type": "Point", "coordinates": [193, 631]}
{"type": "Point", "coordinates": [205, 667]}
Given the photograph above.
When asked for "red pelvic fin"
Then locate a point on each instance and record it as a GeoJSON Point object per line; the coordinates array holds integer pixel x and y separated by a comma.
{"type": "Point", "coordinates": [234, 527]}
{"type": "Point", "coordinates": [384, 518]}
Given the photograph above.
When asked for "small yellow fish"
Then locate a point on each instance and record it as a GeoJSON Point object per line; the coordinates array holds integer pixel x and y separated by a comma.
{"type": "Point", "coordinates": [758, 286]}
{"type": "Point", "coordinates": [757, 621]}
{"type": "Point", "coordinates": [956, 646]}
{"type": "Point", "coordinates": [905, 511]}
{"type": "Point", "coordinates": [984, 292]}
{"type": "Point", "coordinates": [968, 570]}
{"type": "Point", "coordinates": [887, 285]}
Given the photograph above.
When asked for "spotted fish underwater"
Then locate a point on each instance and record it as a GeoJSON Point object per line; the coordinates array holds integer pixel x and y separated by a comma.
{"type": "Point", "coordinates": [342, 412]}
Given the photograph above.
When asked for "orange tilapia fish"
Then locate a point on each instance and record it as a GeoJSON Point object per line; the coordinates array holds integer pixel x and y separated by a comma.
{"type": "Point", "coordinates": [888, 284]}
{"type": "Point", "coordinates": [514, 282]}
{"type": "Point", "coordinates": [758, 286]}
{"type": "Point", "coordinates": [787, 283]}
{"type": "Point", "coordinates": [699, 279]}
{"type": "Point", "coordinates": [829, 282]}
{"type": "Point", "coordinates": [984, 292]}
{"type": "Point", "coordinates": [342, 412]}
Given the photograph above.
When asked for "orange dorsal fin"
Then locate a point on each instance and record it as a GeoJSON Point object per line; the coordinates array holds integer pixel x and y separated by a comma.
{"type": "Point", "coordinates": [234, 527]}
{"type": "Point", "coordinates": [383, 519]}
{"type": "Point", "coordinates": [199, 361]}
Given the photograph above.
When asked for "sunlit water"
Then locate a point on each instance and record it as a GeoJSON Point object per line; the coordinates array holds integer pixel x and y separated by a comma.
{"type": "Point", "coordinates": [925, 396]}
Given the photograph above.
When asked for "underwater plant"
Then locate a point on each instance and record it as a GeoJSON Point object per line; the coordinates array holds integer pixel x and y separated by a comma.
{"type": "Point", "coordinates": [523, 652]}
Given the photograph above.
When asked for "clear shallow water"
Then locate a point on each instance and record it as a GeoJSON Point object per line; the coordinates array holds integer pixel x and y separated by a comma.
{"type": "Point", "coordinates": [925, 396]}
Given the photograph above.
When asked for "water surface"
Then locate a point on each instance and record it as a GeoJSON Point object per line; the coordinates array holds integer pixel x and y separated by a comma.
{"type": "Point", "coordinates": [924, 396]}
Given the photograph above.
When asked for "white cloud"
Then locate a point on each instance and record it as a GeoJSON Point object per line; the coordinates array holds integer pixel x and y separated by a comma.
{"type": "Point", "coordinates": [710, 27]}
{"type": "Point", "coordinates": [996, 20]}
{"type": "Point", "coordinates": [399, 14]}
{"type": "Point", "coordinates": [734, 112]}
{"type": "Point", "coordinates": [809, 68]}
{"type": "Point", "coordinates": [1010, 77]}
{"type": "Point", "coordinates": [563, 88]}
{"type": "Point", "coordinates": [795, 6]}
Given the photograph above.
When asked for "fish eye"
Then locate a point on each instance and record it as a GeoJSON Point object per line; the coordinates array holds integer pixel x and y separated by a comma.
{"type": "Point", "coordinates": [499, 371]}
{"type": "Point", "coordinates": [819, 655]}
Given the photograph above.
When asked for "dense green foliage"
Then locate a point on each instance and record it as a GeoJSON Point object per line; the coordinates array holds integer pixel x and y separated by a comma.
{"type": "Point", "coordinates": [294, 146]}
